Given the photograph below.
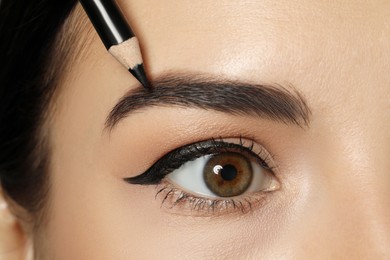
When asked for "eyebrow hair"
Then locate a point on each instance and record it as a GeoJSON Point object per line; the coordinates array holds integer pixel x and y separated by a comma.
{"type": "Point", "coordinates": [273, 102]}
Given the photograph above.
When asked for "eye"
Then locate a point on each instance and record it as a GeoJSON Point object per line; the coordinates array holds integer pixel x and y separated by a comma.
{"type": "Point", "coordinates": [212, 177]}
{"type": "Point", "coordinates": [225, 174]}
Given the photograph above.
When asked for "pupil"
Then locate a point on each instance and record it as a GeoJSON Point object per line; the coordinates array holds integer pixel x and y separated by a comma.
{"type": "Point", "coordinates": [228, 172]}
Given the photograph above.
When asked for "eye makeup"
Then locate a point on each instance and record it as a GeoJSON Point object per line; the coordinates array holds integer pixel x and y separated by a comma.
{"type": "Point", "coordinates": [185, 200]}
{"type": "Point", "coordinates": [176, 158]}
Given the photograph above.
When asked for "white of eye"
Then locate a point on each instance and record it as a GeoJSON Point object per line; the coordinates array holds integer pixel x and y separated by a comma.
{"type": "Point", "coordinates": [189, 177]}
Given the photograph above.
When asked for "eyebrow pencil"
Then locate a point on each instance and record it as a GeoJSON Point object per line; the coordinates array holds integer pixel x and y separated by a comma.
{"type": "Point", "coordinates": [116, 35]}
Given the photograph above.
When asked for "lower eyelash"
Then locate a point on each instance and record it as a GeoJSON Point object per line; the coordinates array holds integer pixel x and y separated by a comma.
{"type": "Point", "coordinates": [172, 197]}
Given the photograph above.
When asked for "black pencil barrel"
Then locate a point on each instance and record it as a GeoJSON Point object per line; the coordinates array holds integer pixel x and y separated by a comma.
{"type": "Point", "coordinates": [108, 21]}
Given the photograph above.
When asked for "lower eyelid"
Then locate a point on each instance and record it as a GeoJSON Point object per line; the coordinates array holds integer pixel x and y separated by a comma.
{"type": "Point", "coordinates": [178, 202]}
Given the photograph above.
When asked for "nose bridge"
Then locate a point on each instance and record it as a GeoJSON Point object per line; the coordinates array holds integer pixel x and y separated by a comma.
{"type": "Point", "coordinates": [359, 190]}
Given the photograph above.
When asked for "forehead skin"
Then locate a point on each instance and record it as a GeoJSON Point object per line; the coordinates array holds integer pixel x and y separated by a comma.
{"type": "Point", "coordinates": [335, 200]}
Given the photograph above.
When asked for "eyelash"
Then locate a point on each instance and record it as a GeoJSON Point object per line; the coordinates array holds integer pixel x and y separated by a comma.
{"type": "Point", "coordinates": [202, 206]}
{"type": "Point", "coordinates": [183, 200]}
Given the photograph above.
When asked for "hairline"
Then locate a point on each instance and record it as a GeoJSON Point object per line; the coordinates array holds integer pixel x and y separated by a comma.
{"type": "Point", "coordinates": [68, 48]}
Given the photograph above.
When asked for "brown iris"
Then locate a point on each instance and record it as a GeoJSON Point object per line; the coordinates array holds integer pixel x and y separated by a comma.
{"type": "Point", "coordinates": [228, 174]}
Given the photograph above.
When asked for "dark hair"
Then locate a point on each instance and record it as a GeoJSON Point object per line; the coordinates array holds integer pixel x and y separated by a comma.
{"type": "Point", "coordinates": [28, 30]}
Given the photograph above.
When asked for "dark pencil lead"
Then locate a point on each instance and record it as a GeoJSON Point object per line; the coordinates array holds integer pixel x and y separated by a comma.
{"type": "Point", "coordinates": [139, 73]}
{"type": "Point", "coordinates": [117, 36]}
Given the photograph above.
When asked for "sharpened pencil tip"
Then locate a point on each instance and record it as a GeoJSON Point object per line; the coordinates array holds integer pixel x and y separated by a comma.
{"type": "Point", "coordinates": [139, 73]}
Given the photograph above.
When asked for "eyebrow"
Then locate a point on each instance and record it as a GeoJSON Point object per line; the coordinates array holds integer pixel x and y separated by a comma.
{"type": "Point", "coordinates": [274, 102]}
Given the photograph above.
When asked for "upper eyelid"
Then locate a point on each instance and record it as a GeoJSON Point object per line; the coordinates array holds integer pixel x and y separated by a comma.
{"type": "Point", "coordinates": [149, 177]}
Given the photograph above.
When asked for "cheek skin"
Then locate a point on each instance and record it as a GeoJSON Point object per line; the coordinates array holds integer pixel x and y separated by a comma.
{"type": "Point", "coordinates": [334, 175]}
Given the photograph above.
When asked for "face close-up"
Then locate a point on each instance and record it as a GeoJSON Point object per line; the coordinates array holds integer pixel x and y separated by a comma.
{"type": "Point", "coordinates": [265, 135]}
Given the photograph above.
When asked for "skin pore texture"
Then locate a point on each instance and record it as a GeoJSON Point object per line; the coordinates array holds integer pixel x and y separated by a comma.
{"type": "Point", "coordinates": [333, 172]}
